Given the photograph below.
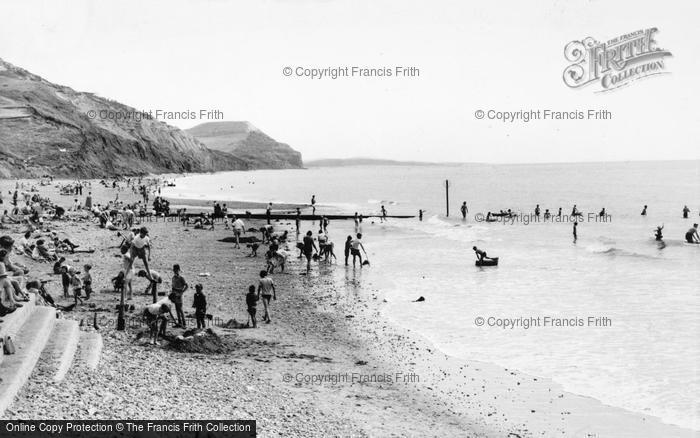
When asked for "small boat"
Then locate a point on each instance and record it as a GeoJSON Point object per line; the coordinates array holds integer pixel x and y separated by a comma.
{"type": "Point", "coordinates": [489, 262]}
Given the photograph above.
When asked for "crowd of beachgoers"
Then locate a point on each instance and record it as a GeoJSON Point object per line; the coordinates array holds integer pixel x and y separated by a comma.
{"type": "Point", "coordinates": [32, 223]}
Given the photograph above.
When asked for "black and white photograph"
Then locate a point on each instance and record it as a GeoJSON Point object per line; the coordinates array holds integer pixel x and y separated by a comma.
{"type": "Point", "coordinates": [336, 218]}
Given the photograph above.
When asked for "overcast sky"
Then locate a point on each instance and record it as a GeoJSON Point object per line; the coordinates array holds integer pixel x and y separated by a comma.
{"type": "Point", "coordinates": [505, 55]}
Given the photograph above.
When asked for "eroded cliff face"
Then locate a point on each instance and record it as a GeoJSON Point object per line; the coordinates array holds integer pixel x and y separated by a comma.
{"type": "Point", "coordinates": [50, 129]}
{"type": "Point", "coordinates": [248, 143]}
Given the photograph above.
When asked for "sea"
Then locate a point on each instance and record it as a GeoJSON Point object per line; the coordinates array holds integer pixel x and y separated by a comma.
{"type": "Point", "coordinates": [614, 315]}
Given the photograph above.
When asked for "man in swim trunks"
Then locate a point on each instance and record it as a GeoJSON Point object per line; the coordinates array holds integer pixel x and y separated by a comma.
{"type": "Point", "coordinates": [238, 228]}
{"type": "Point", "coordinates": [355, 246]}
{"type": "Point", "coordinates": [692, 235]}
{"type": "Point", "coordinates": [266, 288]}
{"type": "Point", "coordinates": [309, 247]}
{"type": "Point", "coordinates": [140, 246]}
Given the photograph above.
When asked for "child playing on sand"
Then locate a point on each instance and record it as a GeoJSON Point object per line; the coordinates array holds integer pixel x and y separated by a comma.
{"type": "Point", "coordinates": [251, 300]}
{"type": "Point", "coordinates": [200, 306]}
{"type": "Point", "coordinates": [266, 288]}
{"type": "Point", "coordinates": [65, 280]}
{"type": "Point", "coordinates": [76, 284]}
{"type": "Point", "coordinates": [154, 316]}
{"type": "Point", "coordinates": [152, 287]}
{"type": "Point", "coordinates": [118, 282]}
{"type": "Point", "coordinates": [87, 281]}
{"type": "Point", "coordinates": [348, 243]}
{"type": "Point", "coordinates": [179, 286]}
{"type": "Point", "coordinates": [58, 265]}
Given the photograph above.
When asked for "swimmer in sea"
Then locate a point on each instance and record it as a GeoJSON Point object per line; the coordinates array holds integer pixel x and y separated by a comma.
{"type": "Point", "coordinates": [480, 255]}
{"type": "Point", "coordinates": [658, 235]}
{"type": "Point", "coordinates": [692, 235]}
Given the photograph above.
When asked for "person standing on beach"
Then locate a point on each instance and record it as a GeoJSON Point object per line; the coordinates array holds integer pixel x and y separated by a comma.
{"type": "Point", "coordinates": [686, 210]}
{"type": "Point", "coordinates": [238, 228]}
{"type": "Point", "coordinates": [464, 210]}
{"type": "Point", "coordinates": [348, 242]}
{"type": "Point", "coordinates": [65, 280]}
{"type": "Point", "coordinates": [179, 286]}
{"type": "Point", "coordinates": [559, 213]}
{"type": "Point", "coordinates": [251, 301]}
{"type": "Point", "coordinates": [266, 288]}
{"type": "Point", "coordinates": [313, 205]}
{"type": "Point", "coordinates": [537, 211]}
{"type": "Point", "coordinates": [420, 215]}
{"type": "Point", "coordinates": [140, 245]}
{"type": "Point", "coordinates": [268, 212]}
{"type": "Point", "coordinates": [200, 306]}
{"type": "Point", "coordinates": [644, 211]}
{"type": "Point", "coordinates": [88, 201]}
{"type": "Point", "coordinates": [76, 284]}
{"type": "Point", "coordinates": [383, 216]}
{"type": "Point", "coordinates": [309, 247]}
{"type": "Point", "coordinates": [297, 220]}
{"type": "Point", "coordinates": [87, 281]}
{"type": "Point", "coordinates": [575, 233]}
{"type": "Point", "coordinates": [355, 246]}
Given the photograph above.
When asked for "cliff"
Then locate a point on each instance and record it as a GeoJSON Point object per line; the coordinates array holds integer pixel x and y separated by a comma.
{"type": "Point", "coordinates": [49, 128]}
{"type": "Point", "coordinates": [248, 143]}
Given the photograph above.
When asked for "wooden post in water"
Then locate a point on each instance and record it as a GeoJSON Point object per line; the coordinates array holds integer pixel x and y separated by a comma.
{"type": "Point", "coordinates": [447, 197]}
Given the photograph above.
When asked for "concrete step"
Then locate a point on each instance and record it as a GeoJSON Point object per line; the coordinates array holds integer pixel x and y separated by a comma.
{"type": "Point", "coordinates": [89, 350]}
{"type": "Point", "coordinates": [12, 322]}
{"type": "Point", "coordinates": [29, 341]}
{"type": "Point", "coordinates": [57, 357]}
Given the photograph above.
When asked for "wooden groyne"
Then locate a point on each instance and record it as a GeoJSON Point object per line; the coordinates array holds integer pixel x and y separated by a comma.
{"type": "Point", "coordinates": [292, 216]}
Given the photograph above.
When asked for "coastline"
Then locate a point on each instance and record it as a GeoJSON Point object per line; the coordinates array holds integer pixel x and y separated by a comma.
{"type": "Point", "coordinates": [321, 327]}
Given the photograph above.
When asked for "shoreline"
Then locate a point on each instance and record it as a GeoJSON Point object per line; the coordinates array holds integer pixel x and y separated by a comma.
{"type": "Point", "coordinates": [315, 325]}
